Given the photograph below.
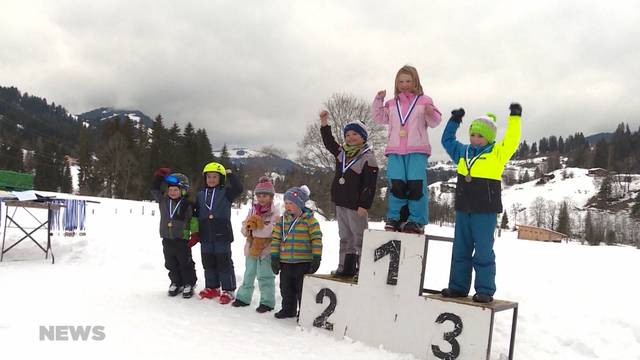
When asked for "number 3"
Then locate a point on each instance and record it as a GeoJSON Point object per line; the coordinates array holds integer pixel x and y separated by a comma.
{"type": "Point", "coordinates": [449, 337]}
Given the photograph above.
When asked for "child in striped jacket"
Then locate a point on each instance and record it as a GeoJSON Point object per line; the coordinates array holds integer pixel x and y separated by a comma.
{"type": "Point", "coordinates": [296, 248]}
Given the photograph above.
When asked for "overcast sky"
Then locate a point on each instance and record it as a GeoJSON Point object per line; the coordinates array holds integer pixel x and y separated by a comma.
{"type": "Point", "coordinates": [254, 73]}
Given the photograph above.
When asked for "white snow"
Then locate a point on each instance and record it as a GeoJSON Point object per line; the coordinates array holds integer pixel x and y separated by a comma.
{"type": "Point", "coordinates": [576, 302]}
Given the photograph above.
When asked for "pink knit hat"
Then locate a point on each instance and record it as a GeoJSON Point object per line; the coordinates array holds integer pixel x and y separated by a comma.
{"type": "Point", "coordinates": [264, 186]}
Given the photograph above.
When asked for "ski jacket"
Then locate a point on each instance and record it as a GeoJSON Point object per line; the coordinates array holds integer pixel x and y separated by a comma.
{"type": "Point", "coordinates": [299, 243]}
{"type": "Point", "coordinates": [269, 218]}
{"type": "Point", "coordinates": [359, 188]}
{"type": "Point", "coordinates": [415, 139]}
{"type": "Point", "coordinates": [483, 192]}
{"type": "Point", "coordinates": [182, 223]}
{"type": "Point", "coordinates": [215, 223]}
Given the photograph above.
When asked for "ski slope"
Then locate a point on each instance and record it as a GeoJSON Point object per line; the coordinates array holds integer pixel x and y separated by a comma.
{"type": "Point", "coordinates": [576, 302]}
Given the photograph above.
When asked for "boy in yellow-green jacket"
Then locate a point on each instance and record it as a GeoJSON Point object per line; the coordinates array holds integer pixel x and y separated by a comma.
{"type": "Point", "coordinates": [296, 248]}
{"type": "Point", "coordinates": [478, 199]}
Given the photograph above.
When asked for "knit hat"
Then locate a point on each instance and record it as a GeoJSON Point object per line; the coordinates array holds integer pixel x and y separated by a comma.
{"type": "Point", "coordinates": [298, 195]}
{"type": "Point", "coordinates": [358, 127]}
{"type": "Point", "coordinates": [264, 186]}
{"type": "Point", "coordinates": [485, 126]}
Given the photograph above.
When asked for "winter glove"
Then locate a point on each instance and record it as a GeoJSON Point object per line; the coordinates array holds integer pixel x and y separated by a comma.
{"type": "Point", "coordinates": [162, 172]}
{"type": "Point", "coordinates": [275, 264]}
{"type": "Point", "coordinates": [193, 239]}
{"type": "Point", "coordinates": [315, 265]}
{"type": "Point", "coordinates": [516, 109]}
{"type": "Point", "coordinates": [457, 114]}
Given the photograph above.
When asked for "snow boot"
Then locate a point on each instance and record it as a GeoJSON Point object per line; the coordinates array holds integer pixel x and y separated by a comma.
{"type": "Point", "coordinates": [187, 291]}
{"type": "Point", "coordinates": [283, 314]}
{"type": "Point", "coordinates": [392, 225]}
{"type": "Point", "coordinates": [174, 289]}
{"type": "Point", "coordinates": [482, 298]}
{"type": "Point", "coordinates": [239, 303]}
{"type": "Point", "coordinates": [450, 293]}
{"type": "Point", "coordinates": [209, 293]}
{"type": "Point", "coordinates": [226, 297]}
{"type": "Point", "coordinates": [349, 268]}
{"type": "Point", "coordinates": [263, 308]}
{"type": "Point", "coordinates": [413, 228]}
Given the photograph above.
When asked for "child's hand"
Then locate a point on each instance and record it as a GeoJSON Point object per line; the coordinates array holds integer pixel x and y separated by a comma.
{"type": "Point", "coordinates": [515, 109]}
{"type": "Point", "coordinates": [362, 211]}
{"type": "Point", "coordinates": [382, 93]}
{"type": "Point", "coordinates": [457, 114]}
{"type": "Point", "coordinates": [324, 117]}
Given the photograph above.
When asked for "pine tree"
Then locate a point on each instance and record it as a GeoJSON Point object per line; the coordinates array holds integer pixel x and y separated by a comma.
{"type": "Point", "coordinates": [225, 160]}
{"type": "Point", "coordinates": [606, 187]}
{"type": "Point", "coordinates": [534, 150]}
{"type": "Point", "coordinates": [635, 210]}
{"type": "Point", "coordinates": [67, 181]}
{"type": "Point", "coordinates": [44, 166]}
{"type": "Point", "coordinates": [564, 219]}
{"type": "Point", "coordinates": [85, 163]}
{"type": "Point", "coordinates": [601, 158]}
{"type": "Point", "coordinates": [589, 231]}
{"type": "Point", "coordinates": [504, 223]}
{"type": "Point", "coordinates": [525, 177]}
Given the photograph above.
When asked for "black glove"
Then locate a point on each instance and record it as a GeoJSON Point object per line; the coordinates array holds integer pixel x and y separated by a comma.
{"type": "Point", "coordinates": [516, 109]}
{"type": "Point", "coordinates": [315, 264]}
{"type": "Point", "coordinates": [275, 264]}
{"type": "Point", "coordinates": [457, 114]}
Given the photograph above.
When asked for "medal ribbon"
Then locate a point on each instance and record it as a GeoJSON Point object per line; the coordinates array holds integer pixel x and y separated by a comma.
{"type": "Point", "coordinates": [173, 212]}
{"type": "Point", "coordinates": [468, 163]}
{"type": "Point", "coordinates": [403, 120]}
{"type": "Point", "coordinates": [346, 166]}
{"type": "Point", "coordinates": [213, 194]}
{"type": "Point", "coordinates": [293, 224]}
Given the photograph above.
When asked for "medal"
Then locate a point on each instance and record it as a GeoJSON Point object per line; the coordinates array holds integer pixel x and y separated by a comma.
{"type": "Point", "coordinates": [341, 181]}
{"type": "Point", "coordinates": [210, 216]}
{"type": "Point", "coordinates": [403, 119]}
{"type": "Point", "coordinates": [210, 204]}
{"type": "Point", "coordinates": [468, 178]}
{"type": "Point", "coordinates": [170, 224]}
{"type": "Point", "coordinates": [291, 228]}
{"type": "Point", "coordinates": [403, 133]}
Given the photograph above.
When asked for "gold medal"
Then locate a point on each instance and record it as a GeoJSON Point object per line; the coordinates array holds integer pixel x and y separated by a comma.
{"type": "Point", "coordinates": [170, 224]}
{"type": "Point", "coordinates": [210, 216]}
{"type": "Point", "coordinates": [341, 181]}
{"type": "Point", "coordinates": [403, 133]}
{"type": "Point", "coordinates": [468, 178]}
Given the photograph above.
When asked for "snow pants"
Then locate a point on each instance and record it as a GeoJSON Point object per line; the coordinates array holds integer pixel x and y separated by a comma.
{"type": "Point", "coordinates": [351, 229]}
{"type": "Point", "coordinates": [407, 176]}
{"type": "Point", "coordinates": [218, 265]}
{"type": "Point", "coordinates": [291, 278]}
{"type": "Point", "coordinates": [473, 248]}
{"type": "Point", "coordinates": [256, 266]}
{"type": "Point", "coordinates": [178, 260]}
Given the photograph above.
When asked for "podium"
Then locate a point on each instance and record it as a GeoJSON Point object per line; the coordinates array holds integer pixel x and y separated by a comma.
{"type": "Point", "coordinates": [388, 307]}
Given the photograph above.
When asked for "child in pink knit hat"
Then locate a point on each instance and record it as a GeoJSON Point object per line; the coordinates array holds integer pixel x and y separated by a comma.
{"type": "Point", "coordinates": [257, 228]}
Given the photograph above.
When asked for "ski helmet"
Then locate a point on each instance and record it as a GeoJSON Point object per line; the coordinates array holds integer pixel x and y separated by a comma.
{"type": "Point", "coordinates": [179, 180]}
{"type": "Point", "coordinates": [217, 168]}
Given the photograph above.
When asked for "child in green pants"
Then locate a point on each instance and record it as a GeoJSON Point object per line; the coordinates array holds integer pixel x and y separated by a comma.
{"type": "Point", "coordinates": [257, 228]}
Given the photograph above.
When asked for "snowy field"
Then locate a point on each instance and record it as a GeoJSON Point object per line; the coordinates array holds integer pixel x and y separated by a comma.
{"type": "Point", "coordinates": [576, 302]}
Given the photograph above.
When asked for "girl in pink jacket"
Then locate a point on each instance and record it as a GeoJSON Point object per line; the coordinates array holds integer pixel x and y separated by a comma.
{"type": "Point", "coordinates": [408, 116]}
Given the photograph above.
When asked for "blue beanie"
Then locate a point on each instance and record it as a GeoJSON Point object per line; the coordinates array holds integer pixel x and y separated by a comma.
{"type": "Point", "coordinates": [298, 195]}
{"type": "Point", "coordinates": [358, 127]}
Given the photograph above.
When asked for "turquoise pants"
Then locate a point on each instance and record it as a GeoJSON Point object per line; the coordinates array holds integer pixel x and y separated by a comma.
{"type": "Point", "coordinates": [260, 268]}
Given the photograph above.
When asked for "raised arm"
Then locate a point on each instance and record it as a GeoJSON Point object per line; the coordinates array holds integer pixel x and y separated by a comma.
{"type": "Point", "coordinates": [378, 111]}
{"type": "Point", "coordinates": [453, 147]}
{"type": "Point", "coordinates": [233, 186]}
{"type": "Point", "coordinates": [327, 138]}
{"type": "Point", "coordinates": [509, 144]}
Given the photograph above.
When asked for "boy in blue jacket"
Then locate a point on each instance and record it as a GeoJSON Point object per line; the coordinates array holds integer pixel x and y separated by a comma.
{"type": "Point", "coordinates": [478, 199]}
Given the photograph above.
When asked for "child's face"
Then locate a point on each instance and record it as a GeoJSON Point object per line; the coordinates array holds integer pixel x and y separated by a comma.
{"type": "Point", "coordinates": [213, 179]}
{"type": "Point", "coordinates": [173, 192]}
{"type": "Point", "coordinates": [405, 83]}
{"type": "Point", "coordinates": [353, 138]}
{"type": "Point", "coordinates": [264, 199]}
{"type": "Point", "coordinates": [477, 140]}
{"type": "Point", "coordinates": [291, 207]}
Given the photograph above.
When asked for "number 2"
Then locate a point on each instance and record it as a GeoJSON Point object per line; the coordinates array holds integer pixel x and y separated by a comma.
{"type": "Point", "coordinates": [321, 321]}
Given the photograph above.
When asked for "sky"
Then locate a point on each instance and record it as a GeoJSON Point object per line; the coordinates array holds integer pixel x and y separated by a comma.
{"type": "Point", "coordinates": [256, 73]}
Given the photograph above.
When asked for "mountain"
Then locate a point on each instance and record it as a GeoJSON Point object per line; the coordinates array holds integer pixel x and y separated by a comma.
{"type": "Point", "coordinates": [94, 117]}
{"type": "Point", "coordinates": [245, 157]}
{"type": "Point", "coordinates": [595, 138]}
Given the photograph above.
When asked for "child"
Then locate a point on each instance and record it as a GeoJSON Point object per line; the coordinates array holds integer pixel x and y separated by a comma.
{"type": "Point", "coordinates": [257, 227]}
{"type": "Point", "coordinates": [296, 248]}
{"type": "Point", "coordinates": [176, 223]}
{"type": "Point", "coordinates": [478, 199]}
{"type": "Point", "coordinates": [352, 190]}
{"type": "Point", "coordinates": [213, 210]}
{"type": "Point", "coordinates": [409, 114]}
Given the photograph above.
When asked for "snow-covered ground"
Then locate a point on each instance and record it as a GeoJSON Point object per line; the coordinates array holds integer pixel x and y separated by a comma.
{"type": "Point", "coordinates": [576, 302]}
